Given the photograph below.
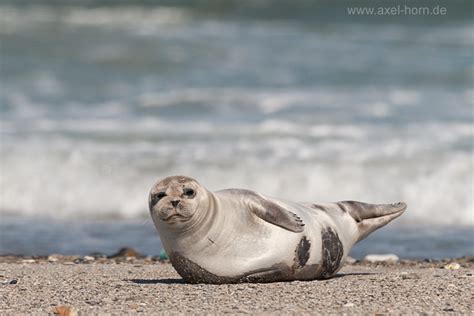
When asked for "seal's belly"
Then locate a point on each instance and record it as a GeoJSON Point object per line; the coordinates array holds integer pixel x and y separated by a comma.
{"type": "Point", "coordinates": [266, 253]}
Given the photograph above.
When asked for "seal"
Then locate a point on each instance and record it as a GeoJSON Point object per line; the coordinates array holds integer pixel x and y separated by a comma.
{"type": "Point", "coordinates": [237, 235]}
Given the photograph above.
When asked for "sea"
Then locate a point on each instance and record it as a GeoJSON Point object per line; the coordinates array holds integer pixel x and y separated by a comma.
{"type": "Point", "coordinates": [298, 100]}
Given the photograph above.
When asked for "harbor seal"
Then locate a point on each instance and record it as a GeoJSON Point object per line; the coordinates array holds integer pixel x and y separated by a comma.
{"type": "Point", "coordinates": [237, 235]}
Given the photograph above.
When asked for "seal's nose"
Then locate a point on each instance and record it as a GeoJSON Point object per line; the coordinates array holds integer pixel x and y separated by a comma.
{"type": "Point", "coordinates": [175, 202]}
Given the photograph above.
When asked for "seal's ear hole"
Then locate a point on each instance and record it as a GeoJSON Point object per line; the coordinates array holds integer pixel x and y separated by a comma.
{"type": "Point", "coordinates": [190, 193]}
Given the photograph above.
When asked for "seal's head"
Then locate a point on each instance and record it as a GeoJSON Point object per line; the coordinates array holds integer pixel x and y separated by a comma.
{"type": "Point", "coordinates": [175, 200]}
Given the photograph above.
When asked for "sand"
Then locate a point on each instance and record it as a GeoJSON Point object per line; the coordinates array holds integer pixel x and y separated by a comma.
{"type": "Point", "coordinates": [149, 286]}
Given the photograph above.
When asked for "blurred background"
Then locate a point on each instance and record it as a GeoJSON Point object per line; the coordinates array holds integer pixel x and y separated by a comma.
{"type": "Point", "coordinates": [294, 99]}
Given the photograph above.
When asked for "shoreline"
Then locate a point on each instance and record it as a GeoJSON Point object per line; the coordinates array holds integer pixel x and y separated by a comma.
{"type": "Point", "coordinates": [87, 236]}
{"type": "Point", "coordinates": [127, 284]}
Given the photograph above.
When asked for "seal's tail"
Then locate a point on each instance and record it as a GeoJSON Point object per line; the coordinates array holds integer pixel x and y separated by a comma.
{"type": "Point", "coordinates": [370, 217]}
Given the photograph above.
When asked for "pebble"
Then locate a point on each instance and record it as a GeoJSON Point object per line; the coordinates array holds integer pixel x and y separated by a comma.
{"type": "Point", "coordinates": [12, 281]}
{"type": "Point", "coordinates": [28, 261]}
{"type": "Point", "coordinates": [54, 257]}
{"type": "Point", "coordinates": [88, 258]}
{"type": "Point", "coordinates": [126, 253]}
{"type": "Point", "coordinates": [349, 305]}
{"type": "Point", "coordinates": [382, 258]}
{"type": "Point", "coordinates": [65, 311]}
{"type": "Point", "coordinates": [350, 260]}
{"type": "Point", "coordinates": [406, 275]}
{"type": "Point", "coordinates": [98, 255]}
{"type": "Point", "coordinates": [163, 255]}
{"type": "Point", "coordinates": [452, 266]}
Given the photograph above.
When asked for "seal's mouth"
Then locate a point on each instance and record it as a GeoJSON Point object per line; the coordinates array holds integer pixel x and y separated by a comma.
{"type": "Point", "coordinates": [173, 217]}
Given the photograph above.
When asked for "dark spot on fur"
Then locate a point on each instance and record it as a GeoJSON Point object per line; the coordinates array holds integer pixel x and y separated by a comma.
{"type": "Point", "coordinates": [319, 207]}
{"type": "Point", "coordinates": [343, 207]}
{"type": "Point", "coordinates": [332, 252]}
{"type": "Point", "coordinates": [302, 252]}
{"type": "Point", "coordinates": [193, 273]}
{"type": "Point", "coordinates": [353, 208]}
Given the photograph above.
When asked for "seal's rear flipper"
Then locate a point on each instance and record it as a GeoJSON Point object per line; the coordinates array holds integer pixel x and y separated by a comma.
{"type": "Point", "coordinates": [370, 217]}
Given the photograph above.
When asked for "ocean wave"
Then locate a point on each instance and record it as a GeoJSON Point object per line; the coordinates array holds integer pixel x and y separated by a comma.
{"type": "Point", "coordinates": [98, 103]}
{"type": "Point", "coordinates": [369, 101]}
{"type": "Point", "coordinates": [319, 104]}
{"type": "Point", "coordinates": [77, 183]}
{"type": "Point", "coordinates": [121, 17]}
{"type": "Point", "coordinates": [345, 141]}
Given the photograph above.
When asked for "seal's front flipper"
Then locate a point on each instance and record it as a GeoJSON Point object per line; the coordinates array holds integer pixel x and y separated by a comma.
{"type": "Point", "coordinates": [370, 217]}
{"type": "Point", "coordinates": [268, 210]}
{"type": "Point", "coordinates": [273, 213]}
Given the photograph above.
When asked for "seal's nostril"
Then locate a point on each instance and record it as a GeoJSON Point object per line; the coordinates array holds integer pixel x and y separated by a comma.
{"type": "Point", "coordinates": [175, 203]}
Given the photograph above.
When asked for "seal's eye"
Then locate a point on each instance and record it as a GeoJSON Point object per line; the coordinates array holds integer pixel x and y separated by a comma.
{"type": "Point", "coordinates": [189, 192]}
{"type": "Point", "coordinates": [156, 197]}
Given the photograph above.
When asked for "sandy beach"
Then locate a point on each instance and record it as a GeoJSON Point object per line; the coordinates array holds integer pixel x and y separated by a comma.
{"type": "Point", "coordinates": [100, 285]}
{"type": "Point", "coordinates": [299, 101]}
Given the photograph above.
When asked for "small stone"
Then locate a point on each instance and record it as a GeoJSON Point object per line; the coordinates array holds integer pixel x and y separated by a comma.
{"type": "Point", "coordinates": [163, 255]}
{"type": "Point", "coordinates": [98, 255]}
{"type": "Point", "coordinates": [28, 261]}
{"type": "Point", "coordinates": [381, 258]}
{"type": "Point", "coordinates": [88, 258]}
{"type": "Point", "coordinates": [350, 260]}
{"type": "Point", "coordinates": [126, 253]}
{"type": "Point", "coordinates": [349, 305]}
{"type": "Point", "coordinates": [54, 257]}
{"type": "Point", "coordinates": [452, 266]}
{"type": "Point", "coordinates": [65, 311]}
{"type": "Point", "coordinates": [406, 275]}
{"type": "Point", "coordinates": [68, 263]}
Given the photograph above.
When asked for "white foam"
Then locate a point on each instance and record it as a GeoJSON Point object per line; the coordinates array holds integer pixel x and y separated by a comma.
{"type": "Point", "coordinates": [105, 180]}
{"type": "Point", "coordinates": [133, 18]}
